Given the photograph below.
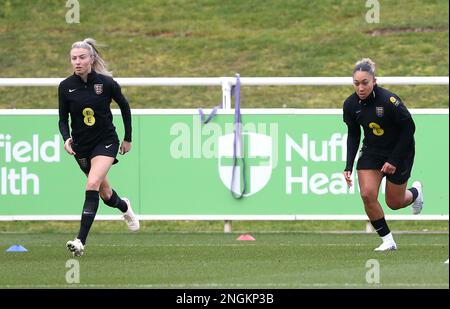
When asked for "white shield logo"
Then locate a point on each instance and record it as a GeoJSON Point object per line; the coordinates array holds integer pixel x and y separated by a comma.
{"type": "Point", "coordinates": [98, 89]}
{"type": "Point", "coordinates": [257, 152]}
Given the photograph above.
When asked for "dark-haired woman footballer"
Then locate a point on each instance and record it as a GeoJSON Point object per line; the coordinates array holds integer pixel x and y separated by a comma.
{"type": "Point", "coordinates": [387, 150]}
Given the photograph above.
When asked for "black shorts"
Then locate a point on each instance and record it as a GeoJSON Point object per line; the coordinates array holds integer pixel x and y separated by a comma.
{"type": "Point", "coordinates": [83, 158]}
{"type": "Point", "coordinates": [376, 162]}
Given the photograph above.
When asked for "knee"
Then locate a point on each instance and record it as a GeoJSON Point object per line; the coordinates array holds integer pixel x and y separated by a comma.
{"type": "Point", "coordinates": [368, 198]}
{"type": "Point", "coordinates": [105, 193]}
{"type": "Point", "coordinates": [394, 203]}
{"type": "Point", "coordinates": [93, 184]}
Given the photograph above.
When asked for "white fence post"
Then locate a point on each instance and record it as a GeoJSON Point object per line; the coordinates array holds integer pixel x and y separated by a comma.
{"type": "Point", "coordinates": [369, 227]}
{"type": "Point", "coordinates": [227, 84]}
{"type": "Point", "coordinates": [227, 228]}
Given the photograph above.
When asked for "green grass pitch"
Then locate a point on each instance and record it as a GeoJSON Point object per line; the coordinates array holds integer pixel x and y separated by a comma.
{"type": "Point", "coordinates": [217, 260]}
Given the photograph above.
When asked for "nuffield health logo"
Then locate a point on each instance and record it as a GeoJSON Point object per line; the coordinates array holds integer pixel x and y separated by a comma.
{"type": "Point", "coordinates": [256, 149]}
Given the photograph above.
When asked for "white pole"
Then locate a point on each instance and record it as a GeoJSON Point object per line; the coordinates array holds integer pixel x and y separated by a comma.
{"type": "Point", "coordinates": [227, 83]}
{"type": "Point", "coordinates": [227, 226]}
{"type": "Point", "coordinates": [369, 227]}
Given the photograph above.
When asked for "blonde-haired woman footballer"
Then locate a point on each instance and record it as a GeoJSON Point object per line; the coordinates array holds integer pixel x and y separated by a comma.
{"type": "Point", "coordinates": [86, 96]}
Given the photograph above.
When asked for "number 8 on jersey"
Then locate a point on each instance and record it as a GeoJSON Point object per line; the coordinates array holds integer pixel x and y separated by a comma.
{"type": "Point", "coordinates": [89, 118]}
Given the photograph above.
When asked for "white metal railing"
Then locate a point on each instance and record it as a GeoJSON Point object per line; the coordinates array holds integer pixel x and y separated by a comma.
{"type": "Point", "coordinates": [227, 82]}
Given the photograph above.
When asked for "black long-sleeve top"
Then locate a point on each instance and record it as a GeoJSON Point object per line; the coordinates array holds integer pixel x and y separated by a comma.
{"type": "Point", "coordinates": [88, 104]}
{"type": "Point", "coordinates": [387, 124]}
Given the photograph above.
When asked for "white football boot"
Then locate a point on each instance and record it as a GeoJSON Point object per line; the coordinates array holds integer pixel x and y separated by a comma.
{"type": "Point", "coordinates": [387, 246]}
{"type": "Point", "coordinates": [388, 243]}
{"type": "Point", "coordinates": [417, 205]}
{"type": "Point", "coordinates": [75, 246]}
{"type": "Point", "coordinates": [130, 218]}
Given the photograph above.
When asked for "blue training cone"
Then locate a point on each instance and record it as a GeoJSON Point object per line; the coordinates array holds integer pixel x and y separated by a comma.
{"type": "Point", "coordinates": [16, 248]}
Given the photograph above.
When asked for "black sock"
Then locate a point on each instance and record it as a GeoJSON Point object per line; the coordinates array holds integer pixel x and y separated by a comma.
{"type": "Point", "coordinates": [116, 202]}
{"type": "Point", "coordinates": [381, 227]}
{"type": "Point", "coordinates": [414, 192]}
{"type": "Point", "coordinates": [89, 211]}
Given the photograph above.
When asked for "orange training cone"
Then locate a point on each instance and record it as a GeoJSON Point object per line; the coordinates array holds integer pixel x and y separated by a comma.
{"type": "Point", "coordinates": [246, 237]}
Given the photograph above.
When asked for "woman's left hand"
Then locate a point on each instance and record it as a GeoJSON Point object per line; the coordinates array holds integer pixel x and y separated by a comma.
{"type": "Point", "coordinates": [388, 168]}
{"type": "Point", "coordinates": [125, 147]}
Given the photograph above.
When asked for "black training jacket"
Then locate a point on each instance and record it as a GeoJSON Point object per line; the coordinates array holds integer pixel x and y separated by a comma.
{"type": "Point", "coordinates": [387, 124]}
{"type": "Point", "coordinates": [90, 112]}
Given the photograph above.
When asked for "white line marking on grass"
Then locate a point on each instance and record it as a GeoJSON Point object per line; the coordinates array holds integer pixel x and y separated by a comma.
{"type": "Point", "coordinates": [249, 244]}
{"type": "Point", "coordinates": [229, 285]}
{"type": "Point", "coordinates": [256, 244]}
{"type": "Point", "coordinates": [343, 232]}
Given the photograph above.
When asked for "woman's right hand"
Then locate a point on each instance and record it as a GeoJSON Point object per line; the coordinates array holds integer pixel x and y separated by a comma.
{"type": "Point", "coordinates": [348, 178]}
{"type": "Point", "coordinates": [68, 146]}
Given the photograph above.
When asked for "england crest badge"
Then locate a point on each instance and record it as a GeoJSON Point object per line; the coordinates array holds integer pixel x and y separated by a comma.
{"type": "Point", "coordinates": [379, 111]}
{"type": "Point", "coordinates": [98, 89]}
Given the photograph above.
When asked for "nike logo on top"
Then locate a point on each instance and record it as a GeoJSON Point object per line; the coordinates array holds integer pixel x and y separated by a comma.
{"type": "Point", "coordinates": [72, 90]}
{"type": "Point", "coordinates": [107, 146]}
